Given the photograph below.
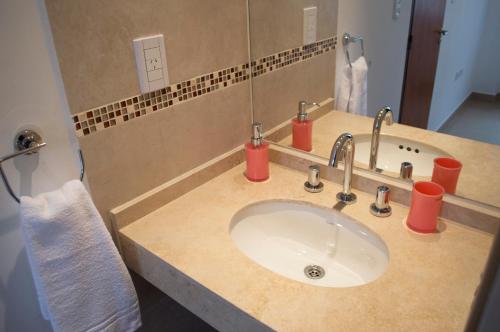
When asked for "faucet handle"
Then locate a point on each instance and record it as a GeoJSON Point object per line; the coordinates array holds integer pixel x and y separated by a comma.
{"type": "Point", "coordinates": [406, 170]}
{"type": "Point", "coordinates": [381, 207]}
{"type": "Point", "coordinates": [313, 183]}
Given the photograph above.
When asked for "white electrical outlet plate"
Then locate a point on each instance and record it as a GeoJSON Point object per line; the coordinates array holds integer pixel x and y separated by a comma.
{"type": "Point", "coordinates": [151, 61]}
{"type": "Point", "coordinates": [310, 25]}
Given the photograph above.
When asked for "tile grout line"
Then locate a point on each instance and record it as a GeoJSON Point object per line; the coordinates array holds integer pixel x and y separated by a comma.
{"type": "Point", "coordinates": [112, 114]}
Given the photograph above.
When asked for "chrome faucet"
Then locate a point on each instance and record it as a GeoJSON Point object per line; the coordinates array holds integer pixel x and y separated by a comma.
{"type": "Point", "coordinates": [343, 148]}
{"type": "Point", "coordinates": [383, 114]}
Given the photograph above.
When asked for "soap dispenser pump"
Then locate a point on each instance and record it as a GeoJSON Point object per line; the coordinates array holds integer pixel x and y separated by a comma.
{"type": "Point", "coordinates": [302, 128]}
{"type": "Point", "coordinates": [257, 156]}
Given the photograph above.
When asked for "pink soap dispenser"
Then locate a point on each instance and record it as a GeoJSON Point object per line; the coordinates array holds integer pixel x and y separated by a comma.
{"type": "Point", "coordinates": [257, 155]}
{"type": "Point", "coordinates": [302, 128]}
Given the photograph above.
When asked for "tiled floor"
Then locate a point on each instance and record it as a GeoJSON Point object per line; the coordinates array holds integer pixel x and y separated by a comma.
{"type": "Point", "coordinates": [476, 119]}
{"type": "Point", "coordinates": [161, 313]}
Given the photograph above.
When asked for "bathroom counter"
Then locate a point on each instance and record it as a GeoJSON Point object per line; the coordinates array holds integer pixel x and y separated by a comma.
{"type": "Point", "coordinates": [478, 180]}
{"type": "Point", "coordinates": [185, 249]}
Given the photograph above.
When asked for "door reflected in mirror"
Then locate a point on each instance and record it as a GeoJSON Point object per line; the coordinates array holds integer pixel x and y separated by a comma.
{"type": "Point", "coordinates": [433, 63]}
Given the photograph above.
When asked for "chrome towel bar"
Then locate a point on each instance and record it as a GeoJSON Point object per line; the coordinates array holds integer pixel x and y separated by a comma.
{"type": "Point", "coordinates": [347, 39]}
{"type": "Point", "coordinates": [29, 142]}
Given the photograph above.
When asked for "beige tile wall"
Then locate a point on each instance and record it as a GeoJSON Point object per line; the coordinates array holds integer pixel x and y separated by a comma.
{"type": "Point", "coordinates": [125, 161]}
{"type": "Point", "coordinates": [94, 42]}
{"type": "Point", "coordinates": [278, 25]}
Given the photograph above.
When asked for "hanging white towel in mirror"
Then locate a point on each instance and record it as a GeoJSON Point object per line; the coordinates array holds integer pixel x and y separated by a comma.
{"type": "Point", "coordinates": [353, 90]}
{"type": "Point", "coordinates": [344, 89]}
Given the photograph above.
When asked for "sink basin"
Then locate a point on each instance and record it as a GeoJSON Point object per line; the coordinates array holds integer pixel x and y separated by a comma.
{"type": "Point", "coordinates": [310, 244]}
{"type": "Point", "coordinates": [394, 150]}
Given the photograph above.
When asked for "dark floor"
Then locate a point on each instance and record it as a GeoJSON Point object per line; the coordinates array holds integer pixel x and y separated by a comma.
{"type": "Point", "coordinates": [476, 119]}
{"type": "Point", "coordinates": [161, 313]}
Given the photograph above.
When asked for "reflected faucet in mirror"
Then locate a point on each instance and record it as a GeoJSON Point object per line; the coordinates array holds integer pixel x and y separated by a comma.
{"type": "Point", "coordinates": [383, 114]}
{"type": "Point", "coordinates": [343, 148]}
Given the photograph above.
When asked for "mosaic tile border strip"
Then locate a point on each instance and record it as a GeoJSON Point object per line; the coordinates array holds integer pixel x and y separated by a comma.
{"type": "Point", "coordinates": [110, 115]}
{"type": "Point", "coordinates": [286, 58]}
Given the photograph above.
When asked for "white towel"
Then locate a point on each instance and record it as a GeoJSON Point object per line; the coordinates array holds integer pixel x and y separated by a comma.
{"type": "Point", "coordinates": [358, 100]}
{"type": "Point", "coordinates": [81, 280]}
{"type": "Point", "coordinates": [344, 89]}
{"type": "Point", "coordinates": [353, 90]}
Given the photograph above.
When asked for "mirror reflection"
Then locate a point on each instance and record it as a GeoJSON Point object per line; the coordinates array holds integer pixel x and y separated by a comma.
{"type": "Point", "coordinates": [415, 82]}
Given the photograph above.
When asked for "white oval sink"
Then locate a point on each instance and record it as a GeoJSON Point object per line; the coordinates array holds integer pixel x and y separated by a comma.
{"type": "Point", "coordinates": [394, 150]}
{"type": "Point", "coordinates": [288, 236]}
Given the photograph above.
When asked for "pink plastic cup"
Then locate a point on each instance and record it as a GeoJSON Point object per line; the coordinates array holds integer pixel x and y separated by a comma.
{"type": "Point", "coordinates": [426, 200]}
{"type": "Point", "coordinates": [446, 172]}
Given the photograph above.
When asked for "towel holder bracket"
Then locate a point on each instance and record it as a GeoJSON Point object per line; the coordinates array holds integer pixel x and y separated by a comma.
{"type": "Point", "coordinates": [28, 142]}
{"type": "Point", "coordinates": [26, 139]}
{"type": "Point", "coordinates": [347, 39]}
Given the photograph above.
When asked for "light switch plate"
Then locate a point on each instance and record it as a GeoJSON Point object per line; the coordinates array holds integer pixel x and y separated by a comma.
{"type": "Point", "coordinates": [310, 25]}
{"type": "Point", "coordinates": [151, 61]}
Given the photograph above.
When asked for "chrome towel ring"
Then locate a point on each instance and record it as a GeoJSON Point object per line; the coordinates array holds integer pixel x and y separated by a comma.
{"type": "Point", "coordinates": [347, 39]}
{"type": "Point", "coordinates": [29, 142]}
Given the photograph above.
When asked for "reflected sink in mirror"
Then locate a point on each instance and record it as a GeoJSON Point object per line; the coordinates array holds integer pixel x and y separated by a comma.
{"type": "Point", "coordinates": [394, 150]}
{"type": "Point", "coordinates": [310, 244]}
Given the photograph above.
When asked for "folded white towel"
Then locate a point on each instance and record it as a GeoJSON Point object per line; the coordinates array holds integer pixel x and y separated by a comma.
{"type": "Point", "coordinates": [353, 88]}
{"type": "Point", "coordinates": [81, 280]}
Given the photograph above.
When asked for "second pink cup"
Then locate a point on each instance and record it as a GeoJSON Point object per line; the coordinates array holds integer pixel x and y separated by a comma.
{"type": "Point", "coordinates": [446, 172]}
{"type": "Point", "coordinates": [426, 200]}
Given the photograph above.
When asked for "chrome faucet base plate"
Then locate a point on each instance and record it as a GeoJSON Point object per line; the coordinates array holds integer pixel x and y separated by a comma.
{"type": "Point", "coordinates": [313, 189]}
{"type": "Point", "coordinates": [346, 198]}
{"type": "Point", "coordinates": [385, 212]}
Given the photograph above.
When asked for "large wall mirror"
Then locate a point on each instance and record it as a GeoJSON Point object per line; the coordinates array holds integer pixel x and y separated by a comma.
{"type": "Point", "coordinates": [432, 63]}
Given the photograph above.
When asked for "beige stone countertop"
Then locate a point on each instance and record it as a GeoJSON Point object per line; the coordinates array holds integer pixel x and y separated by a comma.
{"type": "Point", "coordinates": [479, 179]}
{"type": "Point", "coordinates": [429, 284]}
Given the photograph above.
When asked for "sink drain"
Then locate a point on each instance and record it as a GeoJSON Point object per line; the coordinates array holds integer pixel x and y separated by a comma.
{"type": "Point", "coordinates": [314, 272]}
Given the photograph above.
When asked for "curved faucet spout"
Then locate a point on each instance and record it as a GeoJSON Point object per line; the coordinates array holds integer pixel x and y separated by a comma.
{"type": "Point", "coordinates": [343, 148]}
{"type": "Point", "coordinates": [383, 114]}
{"type": "Point", "coordinates": [339, 147]}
